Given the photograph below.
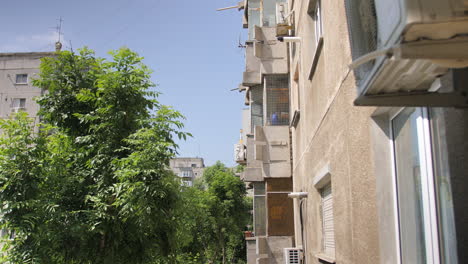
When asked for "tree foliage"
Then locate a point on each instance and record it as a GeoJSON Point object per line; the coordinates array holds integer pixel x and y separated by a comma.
{"type": "Point", "coordinates": [93, 185]}
{"type": "Point", "coordinates": [214, 217]}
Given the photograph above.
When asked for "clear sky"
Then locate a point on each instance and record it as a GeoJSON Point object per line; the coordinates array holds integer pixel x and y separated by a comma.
{"type": "Point", "coordinates": [192, 49]}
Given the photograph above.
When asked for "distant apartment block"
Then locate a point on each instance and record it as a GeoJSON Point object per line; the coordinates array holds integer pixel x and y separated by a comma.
{"type": "Point", "coordinates": [17, 70]}
{"type": "Point", "coordinates": [188, 169]}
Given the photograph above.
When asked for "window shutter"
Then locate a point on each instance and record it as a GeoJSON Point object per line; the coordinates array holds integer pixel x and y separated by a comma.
{"type": "Point", "coordinates": [327, 221]}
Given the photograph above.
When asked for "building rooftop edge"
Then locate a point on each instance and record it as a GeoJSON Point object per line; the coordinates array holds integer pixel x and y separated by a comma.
{"type": "Point", "coordinates": [25, 54]}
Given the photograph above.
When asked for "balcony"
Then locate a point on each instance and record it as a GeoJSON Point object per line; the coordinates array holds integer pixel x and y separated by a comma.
{"type": "Point", "coordinates": [264, 55]}
{"type": "Point", "coordinates": [272, 149]}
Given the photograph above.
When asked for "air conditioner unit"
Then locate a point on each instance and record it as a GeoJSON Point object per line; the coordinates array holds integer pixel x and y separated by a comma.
{"type": "Point", "coordinates": [293, 256]}
{"type": "Point", "coordinates": [401, 47]}
{"type": "Point", "coordinates": [240, 153]}
{"type": "Point", "coordinates": [282, 15]}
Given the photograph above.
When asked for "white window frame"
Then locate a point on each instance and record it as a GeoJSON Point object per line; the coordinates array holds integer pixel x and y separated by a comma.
{"type": "Point", "coordinates": [19, 74]}
{"type": "Point", "coordinates": [264, 195]}
{"type": "Point", "coordinates": [427, 182]}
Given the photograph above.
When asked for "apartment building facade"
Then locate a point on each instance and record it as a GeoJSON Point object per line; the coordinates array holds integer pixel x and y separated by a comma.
{"type": "Point", "coordinates": [17, 70]}
{"type": "Point", "coordinates": [188, 169]}
{"type": "Point", "coordinates": [374, 127]}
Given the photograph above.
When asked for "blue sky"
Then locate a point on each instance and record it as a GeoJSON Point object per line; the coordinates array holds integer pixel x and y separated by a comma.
{"type": "Point", "coordinates": [192, 49]}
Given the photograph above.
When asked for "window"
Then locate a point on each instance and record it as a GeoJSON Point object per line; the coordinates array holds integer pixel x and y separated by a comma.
{"type": "Point", "coordinates": [322, 182]}
{"type": "Point", "coordinates": [415, 203]}
{"type": "Point", "coordinates": [18, 103]}
{"type": "Point", "coordinates": [317, 16]}
{"type": "Point", "coordinates": [256, 106]}
{"type": "Point", "coordinates": [328, 236]}
{"type": "Point", "coordinates": [416, 198]}
{"type": "Point", "coordinates": [254, 16]}
{"type": "Point", "coordinates": [259, 205]}
{"type": "Point", "coordinates": [186, 174]}
{"type": "Point", "coordinates": [277, 100]}
{"type": "Point", "coordinates": [194, 165]}
{"type": "Point", "coordinates": [187, 183]}
{"type": "Point", "coordinates": [21, 78]}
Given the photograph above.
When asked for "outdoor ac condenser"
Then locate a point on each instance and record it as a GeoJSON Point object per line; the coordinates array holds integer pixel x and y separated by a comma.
{"type": "Point", "coordinates": [401, 47]}
{"type": "Point", "coordinates": [240, 153]}
{"type": "Point", "coordinates": [293, 256]}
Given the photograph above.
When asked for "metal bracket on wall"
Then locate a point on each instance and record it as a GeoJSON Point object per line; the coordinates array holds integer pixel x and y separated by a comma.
{"type": "Point", "coordinates": [457, 98]}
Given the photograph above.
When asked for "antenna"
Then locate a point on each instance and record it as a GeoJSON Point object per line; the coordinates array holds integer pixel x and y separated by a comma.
{"type": "Point", "coordinates": [58, 44]}
{"type": "Point", "coordinates": [241, 46]}
{"type": "Point", "coordinates": [239, 6]}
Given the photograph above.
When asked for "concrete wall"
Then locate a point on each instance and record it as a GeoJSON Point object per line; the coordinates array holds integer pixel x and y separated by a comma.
{"type": "Point", "coordinates": [270, 249]}
{"type": "Point", "coordinates": [12, 64]}
{"type": "Point", "coordinates": [194, 166]}
{"type": "Point", "coordinates": [331, 131]}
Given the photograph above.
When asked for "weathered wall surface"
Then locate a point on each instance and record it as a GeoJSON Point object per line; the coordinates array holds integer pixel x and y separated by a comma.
{"type": "Point", "coordinates": [12, 64]}
{"type": "Point", "coordinates": [333, 132]}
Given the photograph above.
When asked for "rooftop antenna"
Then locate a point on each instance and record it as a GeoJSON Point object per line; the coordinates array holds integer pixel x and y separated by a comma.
{"type": "Point", "coordinates": [58, 44]}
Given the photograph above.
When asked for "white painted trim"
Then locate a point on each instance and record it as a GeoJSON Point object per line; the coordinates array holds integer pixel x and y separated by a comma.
{"type": "Point", "coordinates": [396, 212]}
{"type": "Point", "coordinates": [322, 177]}
{"type": "Point", "coordinates": [427, 181]}
{"type": "Point", "coordinates": [430, 226]}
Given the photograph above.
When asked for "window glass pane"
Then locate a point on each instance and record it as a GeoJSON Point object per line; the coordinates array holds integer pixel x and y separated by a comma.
{"type": "Point", "coordinates": [318, 21]}
{"type": "Point", "coordinates": [254, 16]}
{"type": "Point", "coordinates": [21, 78]}
{"type": "Point", "coordinates": [18, 102]}
{"type": "Point", "coordinates": [409, 186]}
{"type": "Point", "coordinates": [259, 216]}
{"type": "Point", "coordinates": [259, 188]}
{"type": "Point", "coordinates": [256, 106]}
{"type": "Point", "coordinates": [269, 12]}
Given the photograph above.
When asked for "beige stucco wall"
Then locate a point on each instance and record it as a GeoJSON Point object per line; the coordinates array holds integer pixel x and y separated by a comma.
{"type": "Point", "coordinates": [333, 132]}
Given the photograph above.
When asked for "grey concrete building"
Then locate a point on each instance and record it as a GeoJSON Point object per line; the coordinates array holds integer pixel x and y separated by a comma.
{"type": "Point", "coordinates": [373, 139]}
{"type": "Point", "coordinates": [188, 169]}
{"type": "Point", "coordinates": [16, 90]}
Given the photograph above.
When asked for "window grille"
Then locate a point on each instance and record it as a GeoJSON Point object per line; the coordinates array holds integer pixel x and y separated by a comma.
{"type": "Point", "coordinates": [277, 100]}
{"type": "Point", "coordinates": [293, 255]}
{"type": "Point", "coordinates": [362, 25]}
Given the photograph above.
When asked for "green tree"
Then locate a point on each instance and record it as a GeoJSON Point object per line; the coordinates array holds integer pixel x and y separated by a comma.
{"type": "Point", "coordinates": [93, 185]}
{"type": "Point", "coordinates": [214, 217]}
